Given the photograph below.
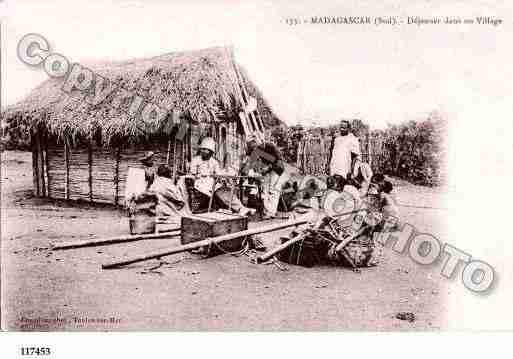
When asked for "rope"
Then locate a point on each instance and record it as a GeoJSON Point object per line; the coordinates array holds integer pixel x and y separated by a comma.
{"type": "Point", "coordinates": [235, 253]}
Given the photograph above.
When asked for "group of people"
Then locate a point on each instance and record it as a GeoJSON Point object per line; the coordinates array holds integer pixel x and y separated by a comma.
{"type": "Point", "coordinates": [263, 169]}
{"type": "Point", "coordinates": [209, 183]}
{"type": "Point", "coordinates": [348, 172]}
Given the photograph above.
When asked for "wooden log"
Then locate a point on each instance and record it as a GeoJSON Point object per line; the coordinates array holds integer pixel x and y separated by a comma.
{"type": "Point", "coordinates": [168, 233]}
{"type": "Point", "coordinates": [205, 242]}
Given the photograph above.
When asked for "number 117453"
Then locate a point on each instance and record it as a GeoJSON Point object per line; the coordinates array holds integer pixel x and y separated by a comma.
{"type": "Point", "coordinates": [35, 351]}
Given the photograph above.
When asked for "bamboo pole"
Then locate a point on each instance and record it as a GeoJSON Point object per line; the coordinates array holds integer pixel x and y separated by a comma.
{"type": "Point", "coordinates": [245, 120]}
{"type": "Point", "coordinates": [206, 242]}
{"type": "Point", "coordinates": [344, 242]}
{"type": "Point", "coordinates": [254, 116]}
{"type": "Point", "coordinates": [215, 240]}
{"type": "Point", "coordinates": [168, 150]}
{"type": "Point", "coordinates": [268, 255]}
{"type": "Point", "coordinates": [120, 239]}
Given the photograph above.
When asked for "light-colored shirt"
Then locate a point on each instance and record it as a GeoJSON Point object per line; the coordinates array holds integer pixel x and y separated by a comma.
{"type": "Point", "coordinates": [341, 156]}
{"type": "Point", "coordinates": [365, 170]}
{"type": "Point", "coordinates": [204, 170]}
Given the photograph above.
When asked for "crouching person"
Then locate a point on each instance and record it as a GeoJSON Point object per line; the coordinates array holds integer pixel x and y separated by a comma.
{"type": "Point", "coordinates": [204, 167]}
{"type": "Point", "coordinates": [357, 247]}
{"type": "Point", "coordinates": [266, 160]}
{"type": "Point", "coordinates": [361, 245]}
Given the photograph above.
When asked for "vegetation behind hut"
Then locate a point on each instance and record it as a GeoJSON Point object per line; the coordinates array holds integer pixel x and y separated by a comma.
{"type": "Point", "coordinates": [414, 150]}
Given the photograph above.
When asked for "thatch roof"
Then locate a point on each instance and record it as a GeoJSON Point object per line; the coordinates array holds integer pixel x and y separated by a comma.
{"type": "Point", "coordinates": [201, 84]}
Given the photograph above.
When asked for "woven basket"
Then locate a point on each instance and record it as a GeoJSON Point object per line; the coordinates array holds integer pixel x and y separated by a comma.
{"type": "Point", "coordinates": [142, 223]}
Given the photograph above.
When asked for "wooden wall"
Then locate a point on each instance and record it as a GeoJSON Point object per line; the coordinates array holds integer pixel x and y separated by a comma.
{"type": "Point", "coordinates": [93, 173]}
{"type": "Point", "coordinates": [98, 174]}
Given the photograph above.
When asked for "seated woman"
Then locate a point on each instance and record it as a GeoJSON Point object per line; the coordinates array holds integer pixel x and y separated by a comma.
{"type": "Point", "coordinates": [171, 200]}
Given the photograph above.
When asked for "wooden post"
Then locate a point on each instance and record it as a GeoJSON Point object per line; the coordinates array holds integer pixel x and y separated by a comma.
{"type": "Point", "coordinates": [66, 164]}
{"type": "Point", "coordinates": [90, 167]}
{"type": "Point", "coordinates": [35, 171]}
{"type": "Point", "coordinates": [369, 149]}
{"type": "Point", "coordinates": [40, 165]}
{"type": "Point", "coordinates": [116, 175]}
{"type": "Point", "coordinates": [187, 146]}
{"type": "Point", "coordinates": [168, 151]}
{"type": "Point", "coordinates": [47, 165]}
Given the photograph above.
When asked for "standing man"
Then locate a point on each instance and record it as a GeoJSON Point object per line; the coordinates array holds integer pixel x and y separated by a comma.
{"type": "Point", "coordinates": [345, 152]}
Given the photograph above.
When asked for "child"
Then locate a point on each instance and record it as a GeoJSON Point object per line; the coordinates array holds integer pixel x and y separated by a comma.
{"type": "Point", "coordinates": [388, 202]}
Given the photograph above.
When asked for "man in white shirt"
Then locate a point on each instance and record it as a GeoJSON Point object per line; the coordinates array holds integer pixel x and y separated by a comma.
{"type": "Point", "coordinates": [346, 149]}
{"type": "Point", "coordinates": [204, 167]}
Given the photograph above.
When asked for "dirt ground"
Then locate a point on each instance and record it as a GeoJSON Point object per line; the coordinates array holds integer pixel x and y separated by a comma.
{"type": "Point", "coordinates": [67, 290]}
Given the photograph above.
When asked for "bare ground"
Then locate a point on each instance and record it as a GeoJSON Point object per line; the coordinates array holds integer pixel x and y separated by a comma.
{"type": "Point", "coordinates": [67, 290]}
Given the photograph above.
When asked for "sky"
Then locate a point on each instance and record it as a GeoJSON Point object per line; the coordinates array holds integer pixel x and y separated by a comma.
{"type": "Point", "coordinates": [310, 74]}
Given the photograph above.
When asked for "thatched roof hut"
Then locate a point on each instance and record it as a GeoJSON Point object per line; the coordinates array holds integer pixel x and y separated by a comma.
{"type": "Point", "coordinates": [81, 149]}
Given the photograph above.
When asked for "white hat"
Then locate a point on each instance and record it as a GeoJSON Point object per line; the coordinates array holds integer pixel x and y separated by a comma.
{"type": "Point", "coordinates": [148, 156]}
{"type": "Point", "coordinates": [208, 143]}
